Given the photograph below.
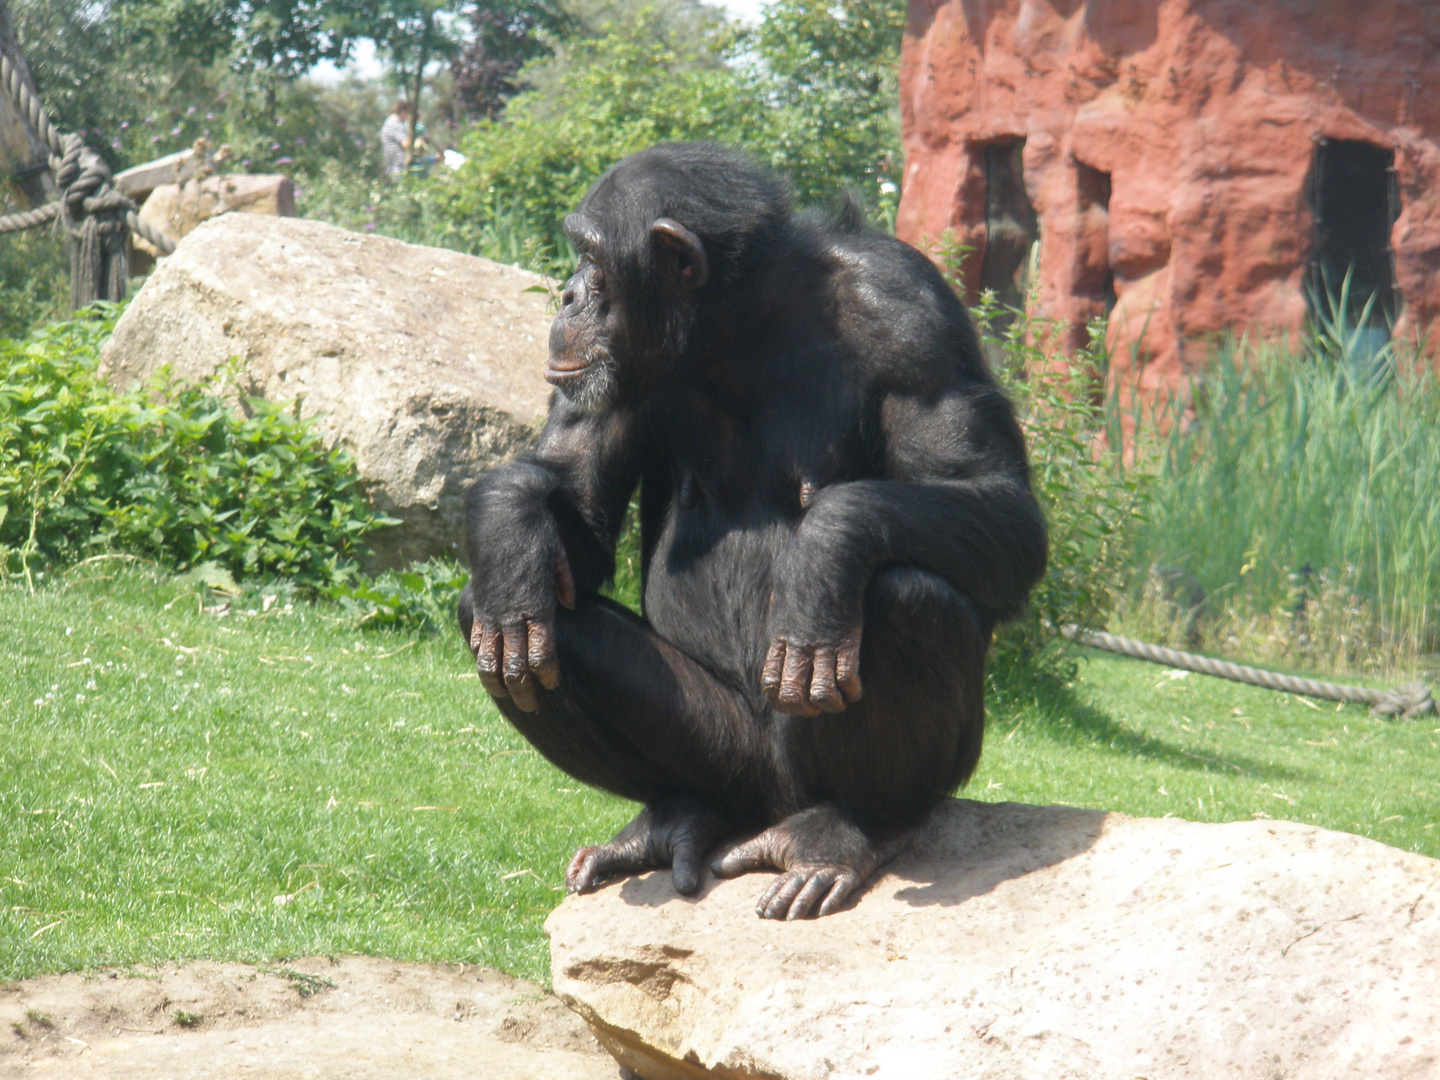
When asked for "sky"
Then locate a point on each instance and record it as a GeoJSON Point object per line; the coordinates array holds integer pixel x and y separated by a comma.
{"type": "Point", "coordinates": [364, 63]}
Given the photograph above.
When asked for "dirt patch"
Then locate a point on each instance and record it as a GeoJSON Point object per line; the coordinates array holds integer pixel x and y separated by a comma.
{"type": "Point", "coordinates": [356, 1018]}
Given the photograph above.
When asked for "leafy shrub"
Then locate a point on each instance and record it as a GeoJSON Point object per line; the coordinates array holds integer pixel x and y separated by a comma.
{"type": "Point", "coordinates": [1092, 506]}
{"type": "Point", "coordinates": [420, 598]}
{"type": "Point", "coordinates": [173, 473]}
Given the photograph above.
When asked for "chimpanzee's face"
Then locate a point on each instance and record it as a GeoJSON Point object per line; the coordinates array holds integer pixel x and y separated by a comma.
{"type": "Point", "coordinates": [588, 333]}
{"type": "Point", "coordinates": [624, 313]}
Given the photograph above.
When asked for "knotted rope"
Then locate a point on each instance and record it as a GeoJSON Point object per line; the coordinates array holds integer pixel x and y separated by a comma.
{"type": "Point", "coordinates": [96, 216]}
{"type": "Point", "coordinates": [1410, 700]}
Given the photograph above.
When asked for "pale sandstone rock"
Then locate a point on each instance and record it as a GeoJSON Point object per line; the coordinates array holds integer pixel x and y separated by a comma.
{"type": "Point", "coordinates": [1038, 942]}
{"type": "Point", "coordinates": [427, 364]}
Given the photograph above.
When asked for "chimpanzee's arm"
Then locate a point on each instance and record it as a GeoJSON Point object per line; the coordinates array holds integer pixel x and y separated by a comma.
{"type": "Point", "coordinates": [954, 500]}
{"type": "Point", "coordinates": [538, 530]}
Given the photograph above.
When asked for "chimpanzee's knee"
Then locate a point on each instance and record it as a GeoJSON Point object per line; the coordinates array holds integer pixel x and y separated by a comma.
{"type": "Point", "coordinates": [915, 734]}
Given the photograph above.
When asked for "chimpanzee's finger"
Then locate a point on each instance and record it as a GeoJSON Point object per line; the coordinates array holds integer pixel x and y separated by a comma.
{"type": "Point", "coordinates": [847, 666]}
{"type": "Point", "coordinates": [795, 683]}
{"type": "Point", "coordinates": [564, 582]}
{"type": "Point", "coordinates": [815, 890]}
{"type": "Point", "coordinates": [516, 667]}
{"type": "Point", "coordinates": [824, 694]}
{"type": "Point", "coordinates": [487, 643]}
{"type": "Point", "coordinates": [586, 869]}
{"type": "Point", "coordinates": [540, 654]}
{"type": "Point", "coordinates": [845, 884]}
{"type": "Point", "coordinates": [752, 854]}
{"type": "Point", "coordinates": [775, 901]}
{"type": "Point", "coordinates": [770, 673]}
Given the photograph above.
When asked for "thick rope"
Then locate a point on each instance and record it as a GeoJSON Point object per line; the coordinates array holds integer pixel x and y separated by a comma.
{"type": "Point", "coordinates": [96, 216]}
{"type": "Point", "coordinates": [29, 106]}
{"type": "Point", "coordinates": [1410, 700]}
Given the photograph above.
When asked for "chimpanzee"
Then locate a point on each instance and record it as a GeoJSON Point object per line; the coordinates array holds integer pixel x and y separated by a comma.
{"type": "Point", "coordinates": [833, 493]}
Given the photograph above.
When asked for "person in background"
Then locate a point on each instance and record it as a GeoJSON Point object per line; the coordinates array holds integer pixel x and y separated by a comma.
{"type": "Point", "coordinates": [395, 140]}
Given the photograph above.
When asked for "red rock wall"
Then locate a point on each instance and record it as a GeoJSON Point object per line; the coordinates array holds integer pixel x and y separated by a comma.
{"type": "Point", "coordinates": [1205, 113]}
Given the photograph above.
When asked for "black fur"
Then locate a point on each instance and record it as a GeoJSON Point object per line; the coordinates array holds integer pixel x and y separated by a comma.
{"type": "Point", "coordinates": [819, 448]}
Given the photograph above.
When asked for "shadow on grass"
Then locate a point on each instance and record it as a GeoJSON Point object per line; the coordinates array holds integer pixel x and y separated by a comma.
{"type": "Point", "coordinates": [1050, 706]}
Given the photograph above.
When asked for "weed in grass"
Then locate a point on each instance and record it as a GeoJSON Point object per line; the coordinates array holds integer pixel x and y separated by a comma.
{"type": "Point", "coordinates": [303, 983]}
{"type": "Point", "coordinates": [187, 1019]}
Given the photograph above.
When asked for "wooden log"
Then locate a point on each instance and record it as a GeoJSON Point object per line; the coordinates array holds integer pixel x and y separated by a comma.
{"type": "Point", "coordinates": [138, 181]}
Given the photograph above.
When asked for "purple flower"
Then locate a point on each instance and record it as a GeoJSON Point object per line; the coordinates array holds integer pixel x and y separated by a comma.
{"type": "Point", "coordinates": [370, 226]}
{"type": "Point", "coordinates": [274, 146]}
{"type": "Point", "coordinates": [284, 161]}
{"type": "Point", "coordinates": [245, 162]}
{"type": "Point", "coordinates": [150, 119]}
{"type": "Point", "coordinates": [300, 142]}
{"type": "Point", "coordinates": [154, 138]}
{"type": "Point", "coordinates": [209, 116]}
{"type": "Point", "coordinates": [115, 144]}
{"type": "Point", "coordinates": [124, 125]}
{"type": "Point", "coordinates": [190, 111]}
{"type": "Point", "coordinates": [175, 130]}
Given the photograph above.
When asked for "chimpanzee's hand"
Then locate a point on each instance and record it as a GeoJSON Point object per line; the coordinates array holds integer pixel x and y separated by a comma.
{"type": "Point", "coordinates": [517, 647]}
{"type": "Point", "coordinates": [808, 679]}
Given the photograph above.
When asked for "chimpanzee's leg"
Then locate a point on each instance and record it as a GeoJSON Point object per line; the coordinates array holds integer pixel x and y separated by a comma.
{"type": "Point", "coordinates": [636, 716]}
{"type": "Point", "coordinates": [867, 776]}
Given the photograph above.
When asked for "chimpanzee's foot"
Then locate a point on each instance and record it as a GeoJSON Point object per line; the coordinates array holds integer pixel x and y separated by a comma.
{"type": "Point", "coordinates": [823, 857]}
{"type": "Point", "coordinates": [676, 831]}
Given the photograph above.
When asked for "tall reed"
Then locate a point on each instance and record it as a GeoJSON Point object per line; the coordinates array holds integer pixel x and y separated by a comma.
{"type": "Point", "coordinates": [1285, 463]}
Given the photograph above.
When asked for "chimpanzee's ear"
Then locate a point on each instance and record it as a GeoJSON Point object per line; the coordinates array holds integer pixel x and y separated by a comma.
{"type": "Point", "coordinates": [685, 246]}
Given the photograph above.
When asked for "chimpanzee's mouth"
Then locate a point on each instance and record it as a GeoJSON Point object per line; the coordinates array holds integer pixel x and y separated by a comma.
{"type": "Point", "coordinates": [560, 374]}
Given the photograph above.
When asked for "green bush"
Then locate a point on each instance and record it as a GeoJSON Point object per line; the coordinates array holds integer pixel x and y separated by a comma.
{"type": "Point", "coordinates": [420, 598]}
{"type": "Point", "coordinates": [172, 473]}
{"type": "Point", "coordinates": [1092, 506]}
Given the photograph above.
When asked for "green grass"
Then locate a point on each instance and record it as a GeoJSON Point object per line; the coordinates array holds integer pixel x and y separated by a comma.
{"type": "Point", "coordinates": [1149, 741]}
{"type": "Point", "coordinates": [184, 771]}
{"type": "Point", "coordinates": [187, 770]}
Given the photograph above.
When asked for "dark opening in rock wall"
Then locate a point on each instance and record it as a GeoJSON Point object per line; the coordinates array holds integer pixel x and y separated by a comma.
{"type": "Point", "coordinates": [1354, 201]}
{"type": "Point", "coordinates": [1094, 276]}
{"type": "Point", "coordinates": [1011, 229]}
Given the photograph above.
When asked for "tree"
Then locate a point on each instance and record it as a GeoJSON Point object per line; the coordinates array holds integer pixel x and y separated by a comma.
{"type": "Point", "coordinates": [830, 68]}
{"type": "Point", "coordinates": [643, 80]}
{"type": "Point", "coordinates": [504, 36]}
{"type": "Point", "coordinates": [413, 34]}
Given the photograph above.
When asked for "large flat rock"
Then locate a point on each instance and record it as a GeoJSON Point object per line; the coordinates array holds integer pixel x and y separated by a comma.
{"type": "Point", "coordinates": [427, 364]}
{"type": "Point", "coordinates": [1038, 942]}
